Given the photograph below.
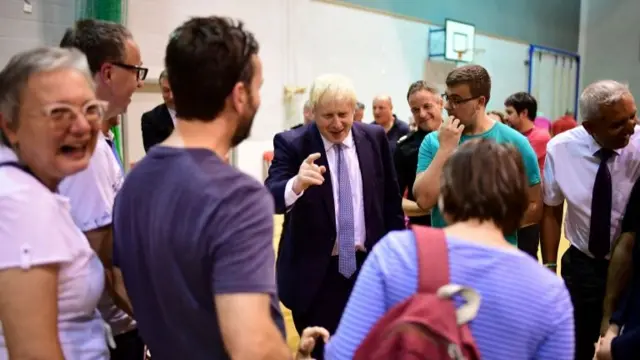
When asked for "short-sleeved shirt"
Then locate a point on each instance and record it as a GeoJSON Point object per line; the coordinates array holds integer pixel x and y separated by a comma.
{"type": "Point", "coordinates": [569, 175]}
{"type": "Point", "coordinates": [188, 227]}
{"type": "Point", "coordinates": [92, 193]}
{"type": "Point", "coordinates": [500, 133]}
{"type": "Point", "coordinates": [526, 314]}
{"type": "Point", "coordinates": [538, 138]}
{"type": "Point", "coordinates": [36, 229]}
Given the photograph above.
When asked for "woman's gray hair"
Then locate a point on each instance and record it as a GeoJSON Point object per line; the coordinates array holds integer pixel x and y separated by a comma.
{"type": "Point", "coordinates": [16, 74]}
{"type": "Point", "coordinates": [600, 94]}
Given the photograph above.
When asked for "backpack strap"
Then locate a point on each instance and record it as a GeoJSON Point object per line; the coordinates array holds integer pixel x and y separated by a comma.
{"type": "Point", "coordinates": [433, 258]}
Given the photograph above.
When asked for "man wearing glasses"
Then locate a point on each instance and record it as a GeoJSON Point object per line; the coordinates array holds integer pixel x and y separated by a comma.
{"type": "Point", "coordinates": [114, 60]}
{"type": "Point", "coordinates": [466, 98]}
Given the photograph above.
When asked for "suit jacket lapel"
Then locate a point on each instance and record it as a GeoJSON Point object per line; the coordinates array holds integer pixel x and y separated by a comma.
{"type": "Point", "coordinates": [326, 189]}
{"type": "Point", "coordinates": [366, 159]}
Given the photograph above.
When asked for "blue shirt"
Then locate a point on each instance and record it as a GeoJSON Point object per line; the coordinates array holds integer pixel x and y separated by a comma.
{"type": "Point", "coordinates": [499, 132]}
{"type": "Point", "coordinates": [187, 227]}
{"type": "Point", "coordinates": [525, 311]}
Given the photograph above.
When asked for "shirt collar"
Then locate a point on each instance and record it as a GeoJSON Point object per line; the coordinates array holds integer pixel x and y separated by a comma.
{"type": "Point", "coordinates": [7, 154]}
{"type": "Point", "coordinates": [594, 147]}
{"type": "Point", "coordinates": [347, 142]}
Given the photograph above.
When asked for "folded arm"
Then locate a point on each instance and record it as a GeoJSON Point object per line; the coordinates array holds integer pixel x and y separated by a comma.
{"type": "Point", "coordinates": [431, 160]}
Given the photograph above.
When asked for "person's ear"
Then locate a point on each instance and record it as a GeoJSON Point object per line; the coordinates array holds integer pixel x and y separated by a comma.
{"type": "Point", "coordinates": [239, 96]}
{"type": "Point", "coordinates": [589, 126]}
{"type": "Point", "coordinates": [105, 73]}
{"type": "Point", "coordinates": [8, 132]}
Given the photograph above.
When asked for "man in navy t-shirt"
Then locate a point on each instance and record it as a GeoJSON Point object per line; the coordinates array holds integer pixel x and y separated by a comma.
{"type": "Point", "coordinates": [193, 235]}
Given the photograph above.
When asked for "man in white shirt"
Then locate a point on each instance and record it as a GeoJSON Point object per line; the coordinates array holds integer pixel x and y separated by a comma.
{"type": "Point", "coordinates": [114, 59]}
{"type": "Point", "coordinates": [581, 167]}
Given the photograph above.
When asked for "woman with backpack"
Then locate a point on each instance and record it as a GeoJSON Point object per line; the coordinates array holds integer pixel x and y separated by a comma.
{"type": "Point", "coordinates": [462, 292]}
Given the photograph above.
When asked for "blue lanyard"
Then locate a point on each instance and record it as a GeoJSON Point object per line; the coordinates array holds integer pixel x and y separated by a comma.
{"type": "Point", "coordinates": [112, 145]}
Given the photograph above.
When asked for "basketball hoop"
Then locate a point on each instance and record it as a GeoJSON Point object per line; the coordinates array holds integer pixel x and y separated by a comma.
{"type": "Point", "coordinates": [460, 54]}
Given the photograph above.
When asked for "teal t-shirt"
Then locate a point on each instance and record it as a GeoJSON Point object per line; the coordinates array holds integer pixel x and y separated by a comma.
{"type": "Point", "coordinates": [502, 134]}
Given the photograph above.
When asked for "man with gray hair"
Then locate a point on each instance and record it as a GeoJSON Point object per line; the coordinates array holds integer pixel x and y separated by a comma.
{"type": "Point", "coordinates": [115, 62]}
{"type": "Point", "coordinates": [581, 166]}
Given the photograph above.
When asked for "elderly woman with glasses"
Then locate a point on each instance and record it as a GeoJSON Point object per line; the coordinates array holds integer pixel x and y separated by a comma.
{"type": "Point", "coordinates": [50, 279]}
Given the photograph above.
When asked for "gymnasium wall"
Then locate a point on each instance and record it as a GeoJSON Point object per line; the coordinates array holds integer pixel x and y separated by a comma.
{"type": "Point", "coordinates": [610, 41]}
{"type": "Point", "coordinates": [301, 39]}
{"type": "Point", "coordinates": [519, 20]}
{"type": "Point", "coordinates": [45, 25]}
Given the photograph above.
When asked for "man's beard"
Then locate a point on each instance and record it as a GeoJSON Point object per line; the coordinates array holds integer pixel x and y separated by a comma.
{"type": "Point", "coordinates": [245, 122]}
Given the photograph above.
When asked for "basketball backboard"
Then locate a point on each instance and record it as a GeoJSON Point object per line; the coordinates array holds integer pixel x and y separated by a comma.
{"type": "Point", "coordinates": [460, 41]}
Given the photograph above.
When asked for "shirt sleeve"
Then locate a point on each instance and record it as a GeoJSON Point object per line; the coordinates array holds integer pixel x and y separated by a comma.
{"type": "Point", "coordinates": [241, 243]}
{"type": "Point", "coordinates": [92, 191]}
{"type": "Point", "coordinates": [551, 193]}
{"type": "Point", "coordinates": [530, 160]}
{"type": "Point", "coordinates": [30, 229]}
{"type": "Point", "coordinates": [427, 152]}
{"type": "Point", "coordinates": [559, 342]}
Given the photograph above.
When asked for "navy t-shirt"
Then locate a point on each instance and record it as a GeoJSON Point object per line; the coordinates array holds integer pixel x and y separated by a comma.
{"type": "Point", "coordinates": [187, 226]}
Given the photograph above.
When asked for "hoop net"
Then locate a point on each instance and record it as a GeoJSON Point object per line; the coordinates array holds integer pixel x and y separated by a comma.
{"type": "Point", "coordinates": [461, 53]}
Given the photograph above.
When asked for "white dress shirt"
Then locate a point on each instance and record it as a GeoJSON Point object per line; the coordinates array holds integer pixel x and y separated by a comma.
{"type": "Point", "coordinates": [570, 172]}
{"type": "Point", "coordinates": [172, 113]}
{"type": "Point", "coordinates": [355, 178]}
{"type": "Point", "coordinates": [92, 193]}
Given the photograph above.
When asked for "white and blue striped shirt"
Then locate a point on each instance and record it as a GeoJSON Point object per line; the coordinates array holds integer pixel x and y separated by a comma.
{"type": "Point", "coordinates": [526, 312]}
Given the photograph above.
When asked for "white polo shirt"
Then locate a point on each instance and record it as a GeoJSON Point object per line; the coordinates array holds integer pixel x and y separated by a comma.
{"type": "Point", "coordinates": [92, 193]}
{"type": "Point", "coordinates": [36, 229]}
{"type": "Point", "coordinates": [569, 174]}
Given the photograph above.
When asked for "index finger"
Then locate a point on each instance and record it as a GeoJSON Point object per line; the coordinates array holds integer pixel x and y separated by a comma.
{"type": "Point", "coordinates": [311, 158]}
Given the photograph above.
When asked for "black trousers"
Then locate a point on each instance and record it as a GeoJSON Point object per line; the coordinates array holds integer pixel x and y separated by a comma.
{"type": "Point", "coordinates": [529, 239]}
{"type": "Point", "coordinates": [129, 346]}
{"type": "Point", "coordinates": [329, 303]}
{"type": "Point", "coordinates": [586, 280]}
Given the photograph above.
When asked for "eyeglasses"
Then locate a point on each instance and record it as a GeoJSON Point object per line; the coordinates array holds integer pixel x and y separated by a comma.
{"type": "Point", "coordinates": [455, 100]}
{"type": "Point", "coordinates": [141, 73]}
{"type": "Point", "coordinates": [63, 115]}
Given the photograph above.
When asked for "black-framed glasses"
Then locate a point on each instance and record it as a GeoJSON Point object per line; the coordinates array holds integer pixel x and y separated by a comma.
{"type": "Point", "coordinates": [456, 100]}
{"type": "Point", "coordinates": [141, 72]}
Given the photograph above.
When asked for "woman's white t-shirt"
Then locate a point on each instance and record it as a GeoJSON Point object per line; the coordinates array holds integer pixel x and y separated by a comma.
{"type": "Point", "coordinates": [36, 229]}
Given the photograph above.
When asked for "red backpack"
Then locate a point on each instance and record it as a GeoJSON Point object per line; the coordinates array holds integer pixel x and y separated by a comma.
{"type": "Point", "coordinates": [426, 325]}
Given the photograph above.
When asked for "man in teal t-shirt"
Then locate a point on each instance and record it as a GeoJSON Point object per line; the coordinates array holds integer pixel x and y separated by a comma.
{"type": "Point", "coordinates": [468, 90]}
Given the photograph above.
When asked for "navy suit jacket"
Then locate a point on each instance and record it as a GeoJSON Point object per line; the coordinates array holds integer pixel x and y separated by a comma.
{"type": "Point", "coordinates": [157, 125]}
{"type": "Point", "coordinates": [309, 234]}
